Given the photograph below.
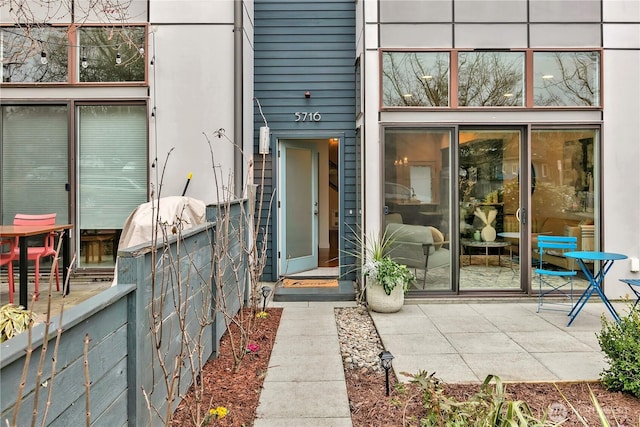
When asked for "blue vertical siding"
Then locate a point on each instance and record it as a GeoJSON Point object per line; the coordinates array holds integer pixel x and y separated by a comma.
{"type": "Point", "coordinates": [306, 46]}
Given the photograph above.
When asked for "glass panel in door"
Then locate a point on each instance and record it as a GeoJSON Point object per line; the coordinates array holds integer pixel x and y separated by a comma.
{"type": "Point", "coordinates": [416, 203]}
{"type": "Point", "coordinates": [112, 176]}
{"type": "Point", "coordinates": [566, 192]}
{"type": "Point", "coordinates": [489, 203]}
{"type": "Point", "coordinates": [299, 208]}
{"type": "Point", "coordinates": [34, 165]}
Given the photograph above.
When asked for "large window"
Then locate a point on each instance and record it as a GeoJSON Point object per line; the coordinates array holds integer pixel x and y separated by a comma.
{"type": "Point", "coordinates": [38, 55]}
{"type": "Point", "coordinates": [415, 79]}
{"type": "Point", "coordinates": [101, 54]}
{"type": "Point", "coordinates": [111, 54]}
{"type": "Point", "coordinates": [566, 78]}
{"type": "Point", "coordinates": [489, 79]}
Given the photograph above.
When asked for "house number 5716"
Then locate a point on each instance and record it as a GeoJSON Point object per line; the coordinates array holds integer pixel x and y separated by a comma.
{"type": "Point", "coordinates": [307, 117]}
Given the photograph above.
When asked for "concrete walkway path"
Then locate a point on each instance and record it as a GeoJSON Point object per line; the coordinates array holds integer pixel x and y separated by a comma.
{"type": "Point", "coordinates": [305, 384]}
{"type": "Point", "coordinates": [460, 342]}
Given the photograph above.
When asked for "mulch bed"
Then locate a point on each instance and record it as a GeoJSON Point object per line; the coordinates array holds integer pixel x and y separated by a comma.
{"type": "Point", "coordinates": [238, 392]}
{"type": "Point", "coordinates": [371, 407]}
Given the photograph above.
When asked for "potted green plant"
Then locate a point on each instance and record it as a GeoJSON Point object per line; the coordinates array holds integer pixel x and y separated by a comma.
{"type": "Point", "coordinates": [386, 279]}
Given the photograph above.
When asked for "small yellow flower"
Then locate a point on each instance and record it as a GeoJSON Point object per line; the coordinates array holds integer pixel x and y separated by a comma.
{"type": "Point", "coordinates": [221, 411]}
{"type": "Point", "coordinates": [262, 315]}
{"type": "Point", "coordinates": [212, 412]}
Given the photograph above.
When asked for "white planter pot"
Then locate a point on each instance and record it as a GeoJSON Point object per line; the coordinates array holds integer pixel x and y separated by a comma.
{"type": "Point", "coordinates": [380, 302]}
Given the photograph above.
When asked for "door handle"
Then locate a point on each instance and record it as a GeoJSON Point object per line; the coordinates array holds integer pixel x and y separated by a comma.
{"type": "Point", "coordinates": [521, 216]}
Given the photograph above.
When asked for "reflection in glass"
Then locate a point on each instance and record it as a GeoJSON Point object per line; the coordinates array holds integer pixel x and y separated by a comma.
{"type": "Point", "coordinates": [566, 189]}
{"type": "Point", "coordinates": [34, 55]}
{"type": "Point", "coordinates": [566, 78]}
{"type": "Point", "coordinates": [108, 54]}
{"type": "Point", "coordinates": [489, 191]}
{"type": "Point", "coordinates": [564, 203]}
{"type": "Point", "coordinates": [416, 194]}
{"type": "Point", "coordinates": [490, 79]}
{"type": "Point", "coordinates": [412, 79]}
{"type": "Point", "coordinates": [300, 230]}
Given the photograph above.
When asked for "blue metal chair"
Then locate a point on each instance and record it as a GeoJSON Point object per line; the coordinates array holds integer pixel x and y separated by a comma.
{"type": "Point", "coordinates": [551, 282]}
{"type": "Point", "coordinates": [634, 285]}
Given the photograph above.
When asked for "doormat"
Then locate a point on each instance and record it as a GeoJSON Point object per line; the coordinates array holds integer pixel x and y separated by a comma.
{"type": "Point", "coordinates": [310, 283]}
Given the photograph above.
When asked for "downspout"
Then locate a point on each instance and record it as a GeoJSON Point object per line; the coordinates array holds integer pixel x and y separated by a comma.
{"type": "Point", "coordinates": [237, 97]}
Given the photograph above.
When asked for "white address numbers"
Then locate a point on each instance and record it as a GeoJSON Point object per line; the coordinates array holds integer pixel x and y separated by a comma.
{"type": "Point", "coordinates": [303, 116]}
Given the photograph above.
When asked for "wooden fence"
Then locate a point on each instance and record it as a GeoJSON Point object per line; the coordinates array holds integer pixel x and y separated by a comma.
{"type": "Point", "coordinates": [133, 329]}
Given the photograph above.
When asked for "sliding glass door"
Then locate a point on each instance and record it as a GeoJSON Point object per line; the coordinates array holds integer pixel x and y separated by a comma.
{"type": "Point", "coordinates": [566, 193]}
{"type": "Point", "coordinates": [489, 178]}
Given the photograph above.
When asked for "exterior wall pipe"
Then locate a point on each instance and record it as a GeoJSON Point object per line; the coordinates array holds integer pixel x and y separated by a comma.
{"type": "Point", "coordinates": [237, 97]}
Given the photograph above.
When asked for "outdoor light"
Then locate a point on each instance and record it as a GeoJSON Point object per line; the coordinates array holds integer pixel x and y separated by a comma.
{"type": "Point", "coordinates": [385, 360]}
{"type": "Point", "coordinates": [43, 58]}
{"type": "Point", "coordinates": [118, 58]}
{"type": "Point", "coordinates": [265, 294]}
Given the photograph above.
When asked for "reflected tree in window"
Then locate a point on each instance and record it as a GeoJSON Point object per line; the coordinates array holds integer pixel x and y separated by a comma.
{"type": "Point", "coordinates": [110, 54]}
{"type": "Point", "coordinates": [490, 79]}
{"type": "Point", "coordinates": [413, 79]}
{"type": "Point", "coordinates": [567, 78]}
{"type": "Point", "coordinates": [33, 54]}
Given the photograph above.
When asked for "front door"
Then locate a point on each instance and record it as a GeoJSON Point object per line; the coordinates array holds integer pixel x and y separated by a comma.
{"type": "Point", "coordinates": [298, 206]}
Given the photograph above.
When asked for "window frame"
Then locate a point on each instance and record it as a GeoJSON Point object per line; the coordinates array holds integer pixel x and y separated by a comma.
{"type": "Point", "coordinates": [528, 81]}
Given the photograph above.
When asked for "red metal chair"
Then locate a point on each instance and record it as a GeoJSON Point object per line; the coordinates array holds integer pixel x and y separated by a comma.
{"type": "Point", "coordinates": [36, 253]}
{"type": "Point", "coordinates": [8, 258]}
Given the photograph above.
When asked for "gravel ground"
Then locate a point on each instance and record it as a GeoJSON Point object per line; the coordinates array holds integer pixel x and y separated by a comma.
{"type": "Point", "coordinates": [360, 345]}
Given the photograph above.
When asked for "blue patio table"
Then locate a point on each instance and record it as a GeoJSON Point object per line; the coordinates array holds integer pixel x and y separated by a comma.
{"type": "Point", "coordinates": [595, 282]}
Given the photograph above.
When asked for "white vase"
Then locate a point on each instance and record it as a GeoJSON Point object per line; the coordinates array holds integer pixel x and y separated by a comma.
{"type": "Point", "coordinates": [488, 233]}
{"type": "Point", "coordinates": [380, 302]}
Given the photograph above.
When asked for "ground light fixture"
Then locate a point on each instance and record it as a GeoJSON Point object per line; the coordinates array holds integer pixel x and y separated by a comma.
{"type": "Point", "coordinates": [385, 360]}
{"type": "Point", "coordinates": [265, 294]}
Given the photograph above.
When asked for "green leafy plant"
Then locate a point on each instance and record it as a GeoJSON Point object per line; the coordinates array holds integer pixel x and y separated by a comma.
{"type": "Point", "coordinates": [371, 253]}
{"type": "Point", "coordinates": [488, 407]}
{"type": "Point", "coordinates": [620, 343]}
{"type": "Point", "coordinates": [389, 273]}
{"type": "Point", "coordinates": [13, 320]}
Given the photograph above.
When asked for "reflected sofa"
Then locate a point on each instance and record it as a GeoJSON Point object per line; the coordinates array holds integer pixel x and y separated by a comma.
{"type": "Point", "coordinates": [417, 246]}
